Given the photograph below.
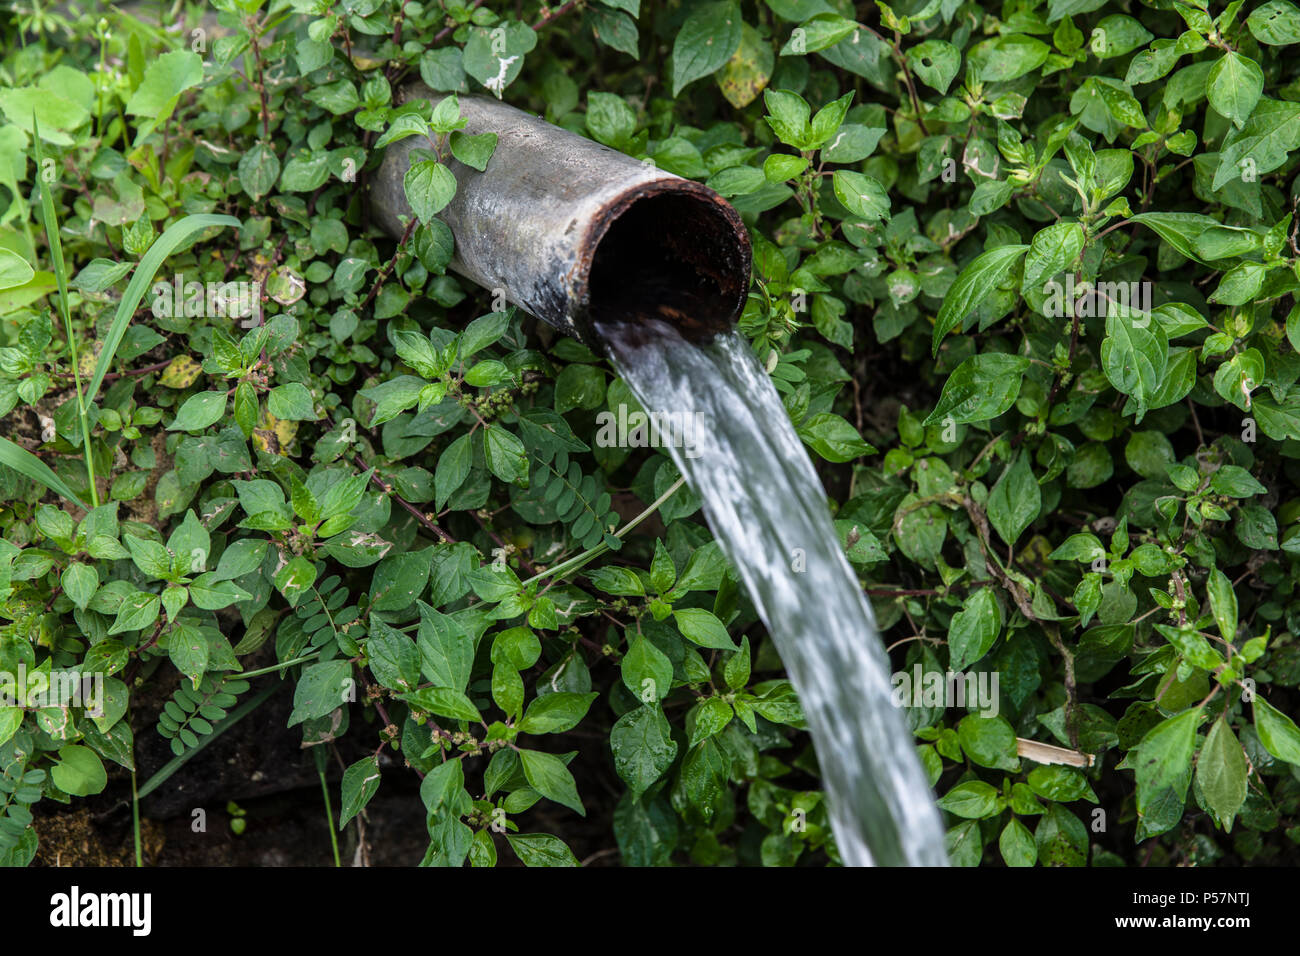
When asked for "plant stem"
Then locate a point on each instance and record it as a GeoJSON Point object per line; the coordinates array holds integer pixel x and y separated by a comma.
{"type": "Point", "coordinates": [135, 821]}
{"type": "Point", "coordinates": [578, 561]}
{"type": "Point", "coordinates": [246, 675]}
{"type": "Point", "coordinates": [329, 818]}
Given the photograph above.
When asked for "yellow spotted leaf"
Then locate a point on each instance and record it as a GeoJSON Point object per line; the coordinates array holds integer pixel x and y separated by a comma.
{"type": "Point", "coordinates": [746, 74]}
{"type": "Point", "coordinates": [180, 372]}
{"type": "Point", "coordinates": [363, 62]}
{"type": "Point", "coordinates": [87, 359]}
{"type": "Point", "coordinates": [274, 435]}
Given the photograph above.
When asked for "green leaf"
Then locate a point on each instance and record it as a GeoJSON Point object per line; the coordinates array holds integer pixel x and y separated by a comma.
{"type": "Point", "coordinates": [1276, 23]}
{"type": "Point", "coordinates": [446, 649]}
{"type": "Point", "coordinates": [1223, 603]}
{"type": "Point", "coordinates": [360, 784]}
{"type": "Point", "coordinates": [495, 57]}
{"type": "Point", "coordinates": [393, 397]}
{"type": "Point", "coordinates": [1007, 57]}
{"type": "Point", "coordinates": [703, 628]}
{"type": "Point", "coordinates": [444, 702]}
{"type": "Point", "coordinates": [646, 671]}
{"type": "Point", "coordinates": [1221, 772]}
{"type": "Point", "coordinates": [1234, 86]}
{"type": "Point", "coordinates": [555, 713]}
{"type": "Point", "coordinates": [972, 800]}
{"type": "Point", "coordinates": [643, 747]}
{"type": "Point", "coordinates": [429, 186]}
{"type": "Point", "coordinates": [188, 650]}
{"type": "Point", "coordinates": [506, 457]}
{"type": "Point", "coordinates": [80, 581]}
{"type": "Point", "coordinates": [1264, 142]}
{"type": "Point", "coordinates": [473, 150]}
{"type": "Point", "coordinates": [1163, 765]}
{"type": "Point", "coordinates": [322, 689]}
{"type": "Point", "coordinates": [258, 170]}
{"type": "Point", "coordinates": [982, 387]}
{"type": "Point", "coordinates": [788, 114]}
{"type": "Point", "coordinates": [407, 124]}
{"type": "Point", "coordinates": [1016, 844]}
{"type": "Point", "coordinates": [817, 33]}
{"type": "Point", "coordinates": [1015, 500]}
{"type": "Point", "coordinates": [1052, 251]}
{"type": "Point", "coordinates": [291, 402]}
{"type": "Point", "coordinates": [453, 468]}
{"type": "Point", "coordinates": [149, 556]}
{"type": "Point", "coordinates": [833, 438]}
{"type": "Point", "coordinates": [973, 629]}
{"type": "Point", "coordinates": [14, 270]}
{"type": "Point", "coordinates": [861, 195]}
{"type": "Point", "coordinates": [609, 118]}
{"type": "Point", "coordinates": [975, 284]}
{"type": "Point", "coordinates": [241, 557]}
{"type": "Point", "coordinates": [393, 657]}
{"type": "Point", "coordinates": [711, 717]}
{"type": "Point", "coordinates": [1061, 838]}
{"type": "Point", "coordinates": [705, 42]}
{"type": "Point", "coordinates": [294, 579]}
{"type": "Point", "coordinates": [1134, 357]}
{"type": "Point", "coordinates": [541, 849]}
{"type": "Point", "coordinates": [1277, 732]}
{"type": "Point", "coordinates": [79, 771]}
{"type": "Point", "coordinates": [165, 79]}
{"type": "Point", "coordinates": [547, 774]}
{"type": "Point", "coordinates": [136, 612]}
{"type": "Point", "coordinates": [936, 63]}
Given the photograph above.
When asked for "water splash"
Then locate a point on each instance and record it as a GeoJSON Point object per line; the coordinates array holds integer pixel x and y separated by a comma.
{"type": "Point", "coordinates": [763, 501]}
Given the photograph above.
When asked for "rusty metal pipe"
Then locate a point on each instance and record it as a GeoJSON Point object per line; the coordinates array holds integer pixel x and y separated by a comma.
{"type": "Point", "coordinates": [574, 232]}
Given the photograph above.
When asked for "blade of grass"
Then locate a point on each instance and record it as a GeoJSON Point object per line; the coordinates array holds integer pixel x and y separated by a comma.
{"type": "Point", "coordinates": [51, 223]}
{"type": "Point", "coordinates": [142, 279]}
{"type": "Point", "coordinates": [25, 463]}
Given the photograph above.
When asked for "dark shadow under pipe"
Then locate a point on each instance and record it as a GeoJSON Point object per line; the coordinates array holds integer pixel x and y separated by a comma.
{"type": "Point", "coordinates": [574, 232]}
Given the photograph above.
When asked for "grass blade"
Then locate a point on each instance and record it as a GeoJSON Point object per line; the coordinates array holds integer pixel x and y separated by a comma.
{"type": "Point", "coordinates": [141, 279]}
{"type": "Point", "coordinates": [51, 222]}
{"type": "Point", "coordinates": [25, 463]}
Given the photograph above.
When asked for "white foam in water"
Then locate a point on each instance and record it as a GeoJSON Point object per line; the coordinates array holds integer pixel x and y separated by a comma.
{"type": "Point", "coordinates": [763, 501]}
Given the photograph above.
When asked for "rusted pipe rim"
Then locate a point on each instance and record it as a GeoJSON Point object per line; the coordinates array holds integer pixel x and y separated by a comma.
{"type": "Point", "coordinates": [699, 235]}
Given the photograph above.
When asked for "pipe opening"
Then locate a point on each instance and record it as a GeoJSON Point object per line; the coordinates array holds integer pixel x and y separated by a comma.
{"type": "Point", "coordinates": [678, 256]}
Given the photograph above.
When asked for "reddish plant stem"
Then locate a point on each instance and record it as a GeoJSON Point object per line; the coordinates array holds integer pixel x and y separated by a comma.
{"type": "Point", "coordinates": [554, 14]}
{"type": "Point", "coordinates": [416, 513]}
{"type": "Point", "coordinates": [392, 263]}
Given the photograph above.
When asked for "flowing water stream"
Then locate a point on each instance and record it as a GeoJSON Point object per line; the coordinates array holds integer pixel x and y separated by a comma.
{"type": "Point", "coordinates": [765, 505]}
